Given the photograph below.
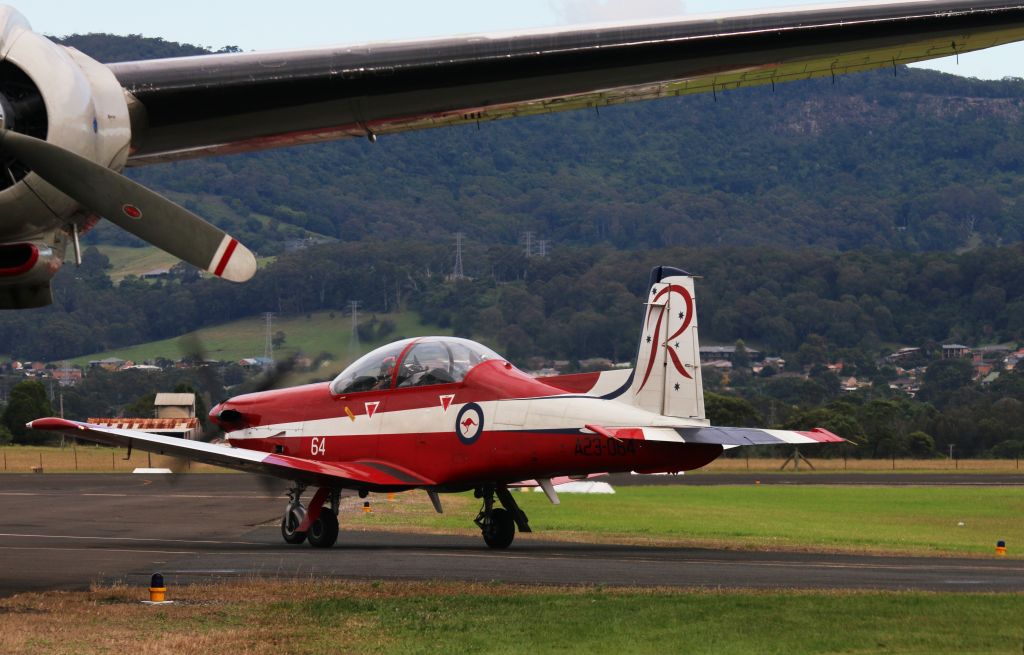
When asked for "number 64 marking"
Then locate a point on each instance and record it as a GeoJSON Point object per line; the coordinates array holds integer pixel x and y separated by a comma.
{"type": "Point", "coordinates": [318, 446]}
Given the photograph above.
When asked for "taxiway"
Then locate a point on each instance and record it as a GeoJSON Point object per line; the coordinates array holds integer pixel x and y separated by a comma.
{"type": "Point", "coordinates": [69, 531]}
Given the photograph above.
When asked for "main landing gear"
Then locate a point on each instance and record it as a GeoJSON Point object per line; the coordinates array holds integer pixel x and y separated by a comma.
{"type": "Point", "coordinates": [498, 524]}
{"type": "Point", "coordinates": [318, 523]}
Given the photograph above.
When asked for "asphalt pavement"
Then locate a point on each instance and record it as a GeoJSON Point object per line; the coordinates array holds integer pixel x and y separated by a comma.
{"type": "Point", "coordinates": [69, 531]}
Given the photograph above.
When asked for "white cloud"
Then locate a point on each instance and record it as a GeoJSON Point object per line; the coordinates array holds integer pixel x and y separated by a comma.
{"type": "Point", "coordinates": [597, 11]}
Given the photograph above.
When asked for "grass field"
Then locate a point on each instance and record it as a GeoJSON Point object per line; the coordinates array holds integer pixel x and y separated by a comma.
{"type": "Point", "coordinates": [318, 333]}
{"type": "Point", "coordinates": [862, 519]}
{"type": "Point", "coordinates": [125, 261]}
{"type": "Point", "coordinates": [88, 458]}
{"type": "Point", "coordinates": [317, 616]}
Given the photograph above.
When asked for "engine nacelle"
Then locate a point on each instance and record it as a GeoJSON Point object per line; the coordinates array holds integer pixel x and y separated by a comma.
{"type": "Point", "coordinates": [57, 93]}
{"type": "Point", "coordinates": [25, 272]}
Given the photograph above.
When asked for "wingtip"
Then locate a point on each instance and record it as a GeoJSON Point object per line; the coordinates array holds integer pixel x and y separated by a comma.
{"type": "Point", "coordinates": [242, 265]}
{"type": "Point", "coordinates": [233, 261]}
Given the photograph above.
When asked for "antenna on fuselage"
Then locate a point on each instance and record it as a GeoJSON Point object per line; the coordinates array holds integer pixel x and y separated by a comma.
{"type": "Point", "coordinates": [353, 341]}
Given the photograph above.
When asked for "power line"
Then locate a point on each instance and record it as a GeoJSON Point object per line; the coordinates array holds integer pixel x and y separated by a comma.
{"type": "Point", "coordinates": [528, 241]}
{"type": "Point", "coordinates": [268, 346]}
{"type": "Point", "coordinates": [457, 272]}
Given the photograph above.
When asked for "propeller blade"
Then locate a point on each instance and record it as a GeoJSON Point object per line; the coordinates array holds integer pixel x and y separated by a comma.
{"type": "Point", "coordinates": [133, 207]}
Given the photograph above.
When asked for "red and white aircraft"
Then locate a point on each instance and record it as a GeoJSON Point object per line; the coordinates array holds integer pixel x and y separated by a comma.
{"type": "Point", "coordinates": [69, 125]}
{"type": "Point", "coordinates": [448, 415]}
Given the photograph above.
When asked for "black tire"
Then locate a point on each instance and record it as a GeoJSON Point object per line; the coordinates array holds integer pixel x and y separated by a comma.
{"type": "Point", "coordinates": [323, 532]}
{"type": "Point", "coordinates": [291, 520]}
{"type": "Point", "coordinates": [501, 530]}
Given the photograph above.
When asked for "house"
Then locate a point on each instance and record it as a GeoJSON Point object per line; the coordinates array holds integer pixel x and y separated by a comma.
{"type": "Point", "coordinates": [68, 377]}
{"type": "Point", "coordinates": [108, 364]}
{"type": "Point", "coordinates": [955, 351]}
{"type": "Point", "coordinates": [719, 364]}
{"type": "Point", "coordinates": [728, 353]}
{"type": "Point", "coordinates": [903, 353]}
{"type": "Point", "coordinates": [175, 405]}
{"type": "Point", "coordinates": [909, 386]}
{"type": "Point", "coordinates": [256, 362]}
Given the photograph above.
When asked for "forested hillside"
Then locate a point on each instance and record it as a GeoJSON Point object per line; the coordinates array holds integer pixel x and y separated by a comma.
{"type": "Point", "coordinates": [913, 161]}
{"type": "Point", "coordinates": [582, 303]}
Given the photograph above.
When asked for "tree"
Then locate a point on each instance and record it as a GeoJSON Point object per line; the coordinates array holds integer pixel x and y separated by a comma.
{"type": "Point", "coordinates": [142, 408]}
{"type": "Point", "coordinates": [944, 377]}
{"type": "Point", "coordinates": [201, 409]}
{"type": "Point", "coordinates": [27, 402]}
{"type": "Point", "coordinates": [742, 356]}
{"type": "Point", "coordinates": [920, 444]}
{"type": "Point", "coordinates": [731, 411]}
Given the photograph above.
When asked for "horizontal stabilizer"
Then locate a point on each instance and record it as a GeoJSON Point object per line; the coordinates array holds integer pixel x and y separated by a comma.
{"type": "Point", "coordinates": [720, 436]}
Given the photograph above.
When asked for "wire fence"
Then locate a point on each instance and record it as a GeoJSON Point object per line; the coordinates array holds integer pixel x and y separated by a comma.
{"type": "Point", "coordinates": [89, 459]}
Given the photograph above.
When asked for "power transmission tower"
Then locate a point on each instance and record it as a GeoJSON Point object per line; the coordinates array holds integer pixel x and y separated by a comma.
{"type": "Point", "coordinates": [528, 241]}
{"type": "Point", "coordinates": [542, 248]}
{"type": "Point", "coordinates": [353, 342]}
{"type": "Point", "coordinates": [268, 347]}
{"type": "Point", "coordinates": [457, 273]}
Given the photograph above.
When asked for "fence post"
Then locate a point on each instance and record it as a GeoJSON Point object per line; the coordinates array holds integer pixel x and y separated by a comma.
{"type": "Point", "coordinates": [74, 449]}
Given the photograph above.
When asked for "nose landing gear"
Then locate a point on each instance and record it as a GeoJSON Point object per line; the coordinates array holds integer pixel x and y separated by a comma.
{"type": "Point", "coordinates": [498, 524]}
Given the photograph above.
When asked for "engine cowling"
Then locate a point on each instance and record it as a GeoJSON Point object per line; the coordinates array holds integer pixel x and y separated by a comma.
{"type": "Point", "coordinates": [25, 272]}
{"type": "Point", "coordinates": [58, 94]}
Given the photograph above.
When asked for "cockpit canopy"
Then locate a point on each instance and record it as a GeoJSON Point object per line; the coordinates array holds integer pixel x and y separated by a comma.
{"type": "Point", "coordinates": [414, 362]}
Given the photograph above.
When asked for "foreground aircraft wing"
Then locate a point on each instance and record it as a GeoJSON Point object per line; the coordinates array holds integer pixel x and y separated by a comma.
{"type": "Point", "coordinates": [196, 106]}
{"type": "Point", "coordinates": [359, 474]}
{"type": "Point", "coordinates": [729, 437]}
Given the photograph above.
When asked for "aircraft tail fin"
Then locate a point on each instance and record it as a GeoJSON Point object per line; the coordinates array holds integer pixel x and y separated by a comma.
{"type": "Point", "coordinates": [666, 378]}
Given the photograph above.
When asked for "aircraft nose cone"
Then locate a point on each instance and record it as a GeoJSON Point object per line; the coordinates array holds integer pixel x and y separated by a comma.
{"type": "Point", "coordinates": [215, 413]}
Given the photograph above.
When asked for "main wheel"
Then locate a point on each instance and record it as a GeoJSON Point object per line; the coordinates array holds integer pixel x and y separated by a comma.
{"type": "Point", "coordinates": [290, 522]}
{"type": "Point", "coordinates": [500, 530]}
{"type": "Point", "coordinates": [323, 532]}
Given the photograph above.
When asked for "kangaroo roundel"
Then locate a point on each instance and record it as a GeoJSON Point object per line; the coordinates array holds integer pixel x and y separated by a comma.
{"type": "Point", "coordinates": [469, 423]}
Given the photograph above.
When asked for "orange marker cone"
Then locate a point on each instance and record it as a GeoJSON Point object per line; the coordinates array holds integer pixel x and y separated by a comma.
{"type": "Point", "coordinates": [157, 590]}
{"type": "Point", "coordinates": [391, 496]}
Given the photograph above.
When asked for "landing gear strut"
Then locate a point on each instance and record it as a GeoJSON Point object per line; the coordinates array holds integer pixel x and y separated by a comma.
{"type": "Point", "coordinates": [318, 523]}
{"type": "Point", "coordinates": [498, 524]}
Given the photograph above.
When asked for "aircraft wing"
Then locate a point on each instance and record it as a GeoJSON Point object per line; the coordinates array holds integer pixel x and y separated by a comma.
{"type": "Point", "coordinates": [358, 474]}
{"type": "Point", "coordinates": [216, 104]}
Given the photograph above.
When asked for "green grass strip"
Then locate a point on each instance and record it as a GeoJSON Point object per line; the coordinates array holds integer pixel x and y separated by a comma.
{"type": "Point", "coordinates": [920, 520]}
{"type": "Point", "coordinates": [687, 622]}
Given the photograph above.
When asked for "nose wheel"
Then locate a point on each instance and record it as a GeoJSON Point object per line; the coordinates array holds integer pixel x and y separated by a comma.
{"type": "Point", "coordinates": [498, 524]}
{"type": "Point", "coordinates": [318, 523]}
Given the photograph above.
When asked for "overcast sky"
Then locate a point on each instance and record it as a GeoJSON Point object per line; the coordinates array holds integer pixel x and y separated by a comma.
{"type": "Point", "coordinates": [272, 24]}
